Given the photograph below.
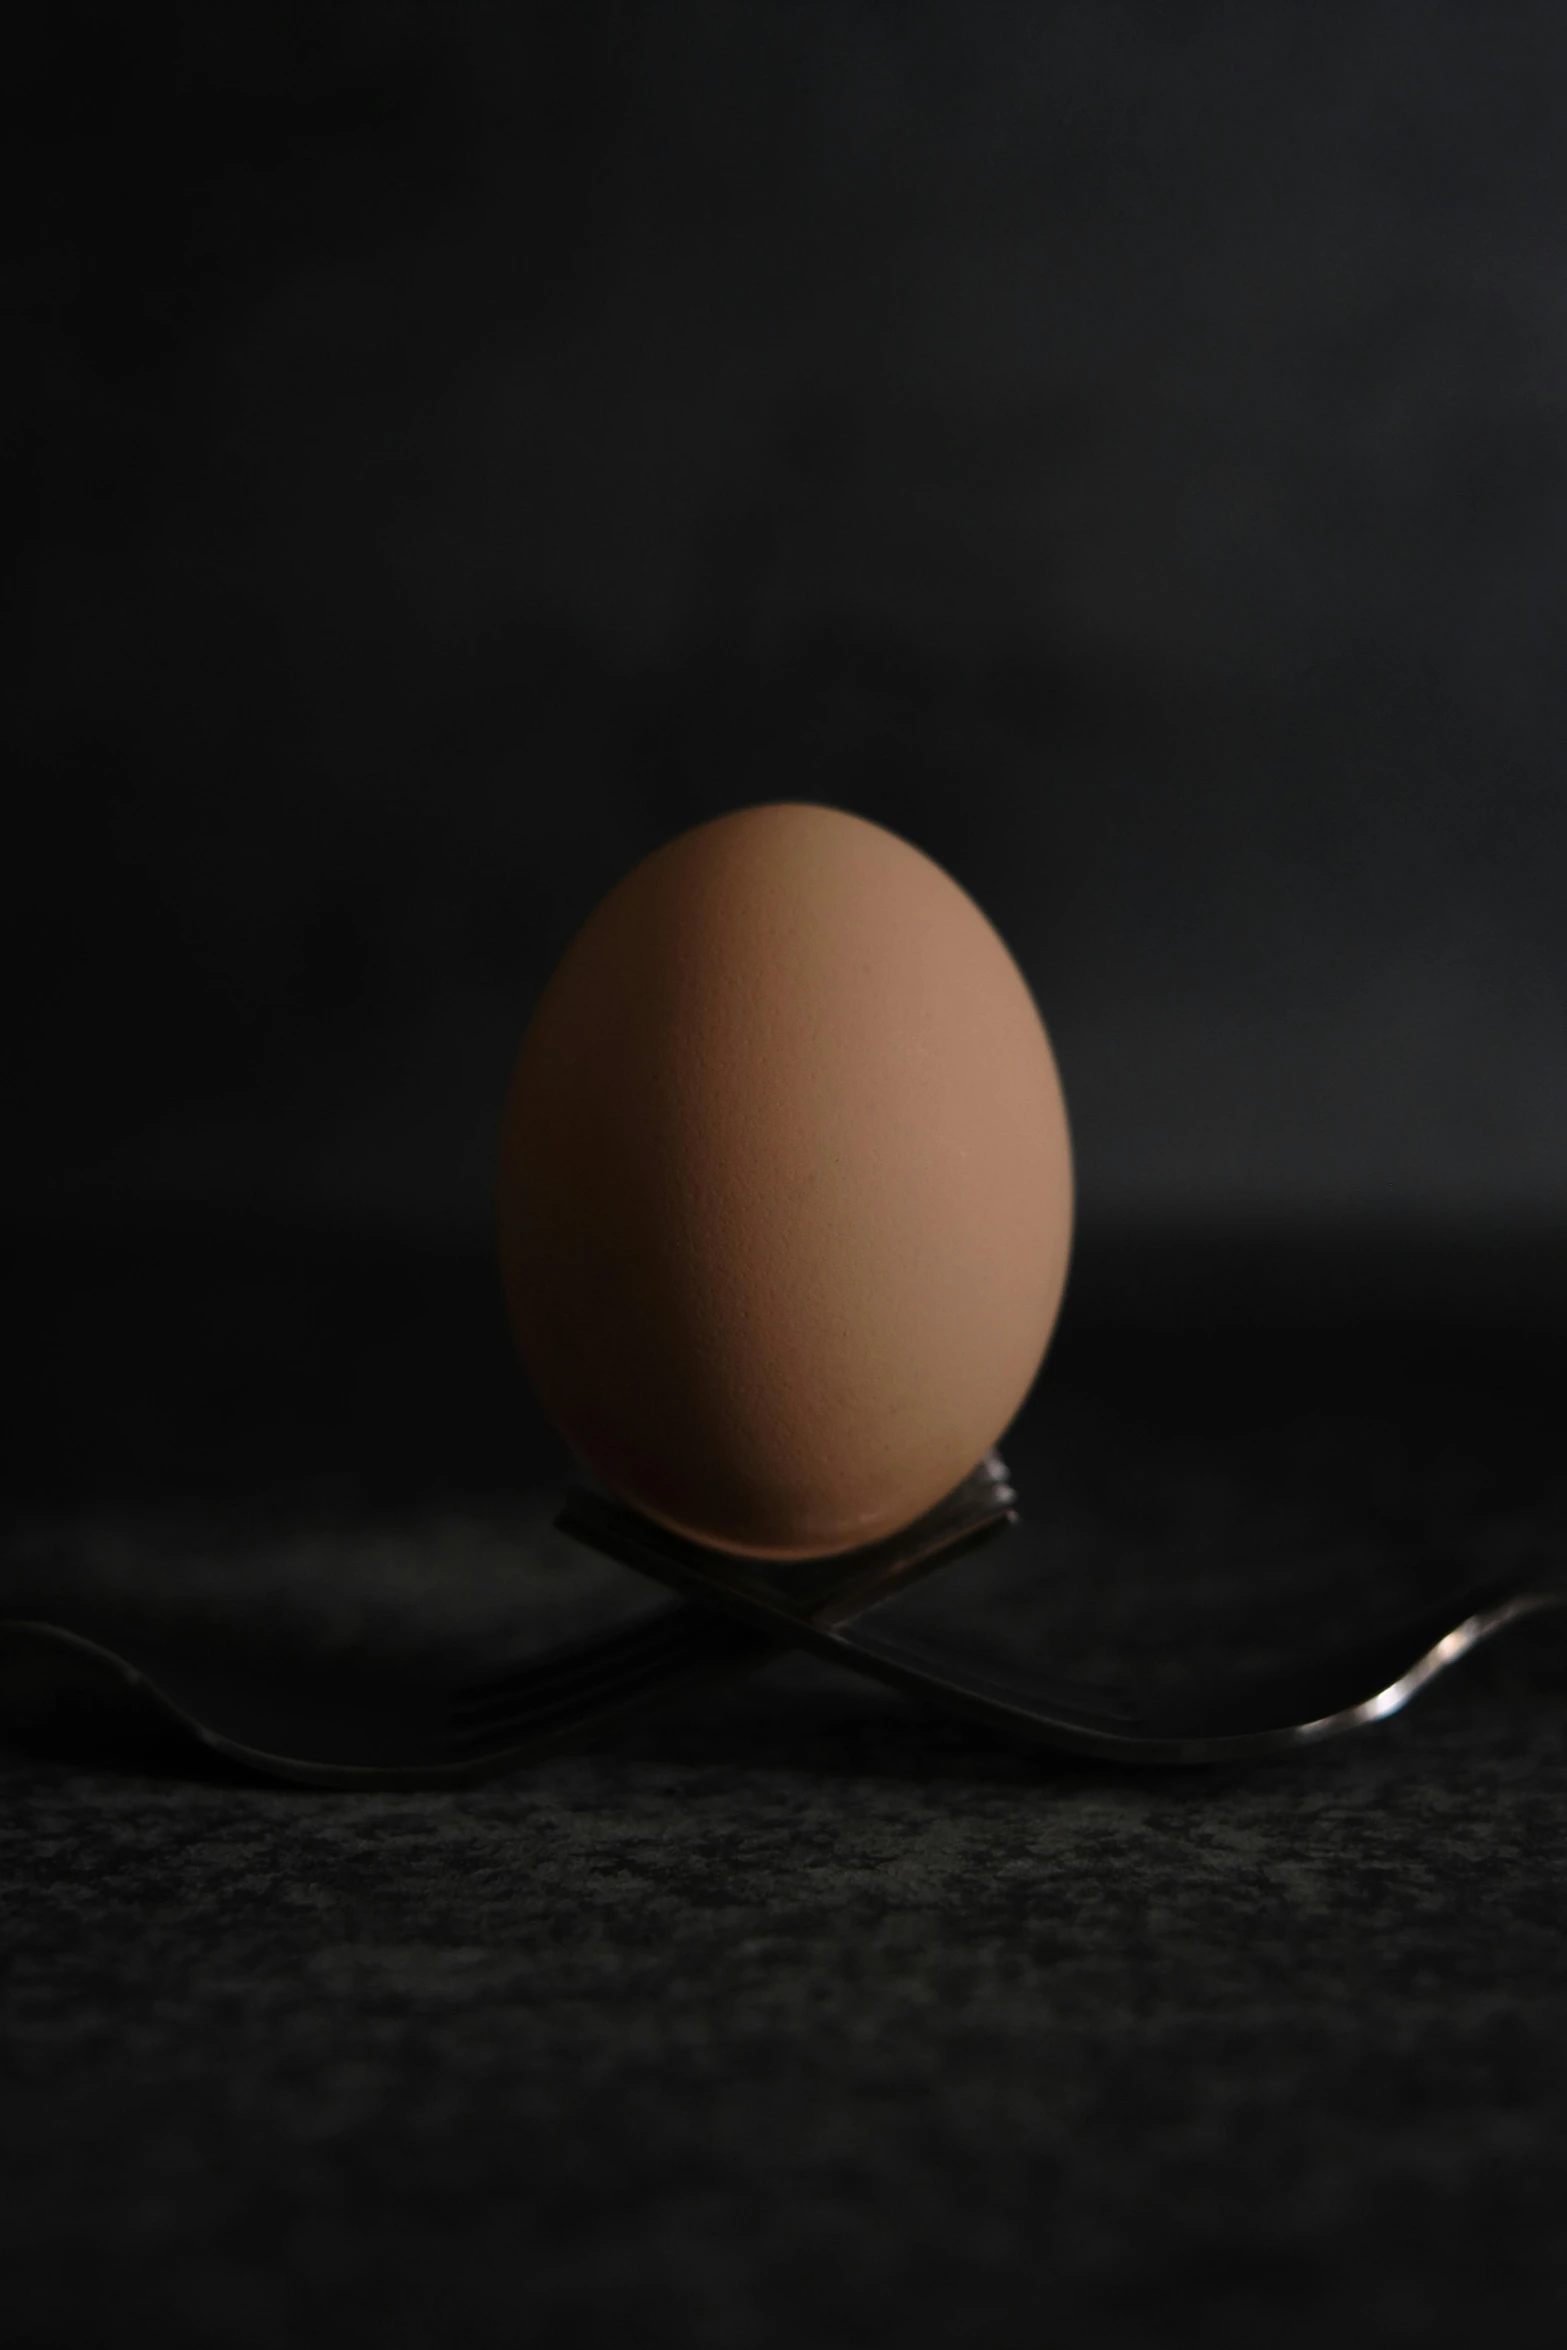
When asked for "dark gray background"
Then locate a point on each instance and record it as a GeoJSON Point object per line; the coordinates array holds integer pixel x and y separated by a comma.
{"type": "Point", "coordinates": [1121, 446]}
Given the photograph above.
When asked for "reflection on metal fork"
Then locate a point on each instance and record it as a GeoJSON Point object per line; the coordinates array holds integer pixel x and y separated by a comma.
{"type": "Point", "coordinates": [1226, 1717]}
{"type": "Point", "coordinates": [371, 1728]}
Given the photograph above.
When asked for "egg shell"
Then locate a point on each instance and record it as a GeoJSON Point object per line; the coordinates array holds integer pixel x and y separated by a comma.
{"type": "Point", "coordinates": [785, 1189]}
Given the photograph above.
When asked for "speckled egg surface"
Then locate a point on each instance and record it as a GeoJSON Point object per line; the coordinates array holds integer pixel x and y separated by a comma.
{"type": "Point", "coordinates": [785, 1192]}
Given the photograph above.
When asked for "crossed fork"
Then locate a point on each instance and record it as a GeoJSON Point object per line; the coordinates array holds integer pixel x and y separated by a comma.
{"type": "Point", "coordinates": [348, 1727]}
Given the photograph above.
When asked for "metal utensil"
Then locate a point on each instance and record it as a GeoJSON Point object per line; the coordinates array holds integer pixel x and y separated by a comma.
{"type": "Point", "coordinates": [366, 1728]}
{"type": "Point", "coordinates": [363, 1724]}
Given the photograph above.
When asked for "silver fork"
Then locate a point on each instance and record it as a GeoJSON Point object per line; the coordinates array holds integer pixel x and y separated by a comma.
{"type": "Point", "coordinates": [367, 1728]}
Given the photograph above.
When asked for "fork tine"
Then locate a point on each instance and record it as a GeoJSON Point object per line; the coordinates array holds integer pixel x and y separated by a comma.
{"type": "Point", "coordinates": [675, 1635]}
{"type": "Point", "coordinates": [536, 1728]}
{"type": "Point", "coordinates": [571, 1693]}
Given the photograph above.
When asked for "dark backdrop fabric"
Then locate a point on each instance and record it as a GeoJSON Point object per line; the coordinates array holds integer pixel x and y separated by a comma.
{"type": "Point", "coordinates": [451, 447]}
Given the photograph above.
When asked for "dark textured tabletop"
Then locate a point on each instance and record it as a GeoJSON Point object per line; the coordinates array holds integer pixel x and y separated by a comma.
{"type": "Point", "coordinates": [799, 2012]}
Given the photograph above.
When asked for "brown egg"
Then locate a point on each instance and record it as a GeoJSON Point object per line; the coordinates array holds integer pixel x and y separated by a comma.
{"type": "Point", "coordinates": [785, 1194]}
